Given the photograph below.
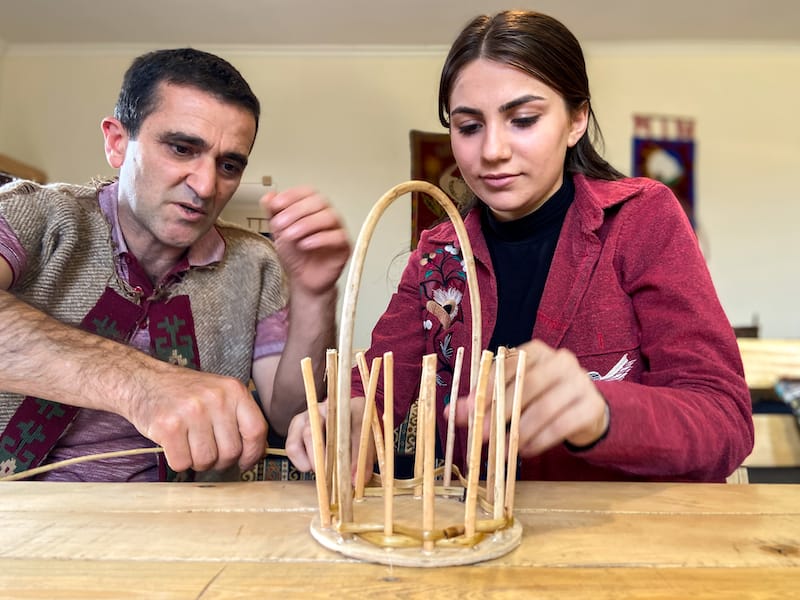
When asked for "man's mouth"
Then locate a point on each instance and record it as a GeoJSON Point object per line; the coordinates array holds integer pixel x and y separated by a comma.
{"type": "Point", "coordinates": [191, 210]}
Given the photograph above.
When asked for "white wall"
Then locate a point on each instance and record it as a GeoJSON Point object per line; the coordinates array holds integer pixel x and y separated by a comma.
{"type": "Point", "coordinates": [340, 121]}
{"type": "Point", "coordinates": [747, 148]}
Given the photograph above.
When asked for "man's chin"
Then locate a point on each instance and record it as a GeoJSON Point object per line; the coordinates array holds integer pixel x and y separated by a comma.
{"type": "Point", "coordinates": [185, 237]}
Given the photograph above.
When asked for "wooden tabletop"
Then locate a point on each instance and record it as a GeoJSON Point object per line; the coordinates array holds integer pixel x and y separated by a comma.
{"type": "Point", "coordinates": [252, 540]}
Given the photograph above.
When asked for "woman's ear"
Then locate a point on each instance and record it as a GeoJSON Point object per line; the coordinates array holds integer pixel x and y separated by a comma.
{"type": "Point", "coordinates": [578, 124]}
{"type": "Point", "coordinates": [116, 141]}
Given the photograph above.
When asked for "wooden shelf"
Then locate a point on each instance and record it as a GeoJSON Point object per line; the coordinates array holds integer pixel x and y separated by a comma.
{"type": "Point", "coordinates": [21, 170]}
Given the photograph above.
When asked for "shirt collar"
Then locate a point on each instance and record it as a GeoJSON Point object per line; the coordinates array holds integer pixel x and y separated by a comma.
{"type": "Point", "coordinates": [208, 250]}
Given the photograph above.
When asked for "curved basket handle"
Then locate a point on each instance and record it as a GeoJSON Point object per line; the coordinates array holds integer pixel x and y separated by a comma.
{"type": "Point", "coordinates": [345, 348]}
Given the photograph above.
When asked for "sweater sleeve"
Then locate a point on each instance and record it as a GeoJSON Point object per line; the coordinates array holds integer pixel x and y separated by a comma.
{"type": "Point", "coordinates": [689, 417]}
{"type": "Point", "coordinates": [23, 225]}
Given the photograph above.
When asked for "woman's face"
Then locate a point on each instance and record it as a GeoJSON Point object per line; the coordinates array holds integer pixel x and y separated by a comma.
{"type": "Point", "coordinates": [510, 133]}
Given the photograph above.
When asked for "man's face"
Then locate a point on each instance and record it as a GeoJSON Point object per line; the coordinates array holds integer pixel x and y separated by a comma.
{"type": "Point", "coordinates": [181, 170]}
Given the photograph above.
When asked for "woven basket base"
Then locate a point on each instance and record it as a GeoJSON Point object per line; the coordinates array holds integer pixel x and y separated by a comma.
{"type": "Point", "coordinates": [408, 511]}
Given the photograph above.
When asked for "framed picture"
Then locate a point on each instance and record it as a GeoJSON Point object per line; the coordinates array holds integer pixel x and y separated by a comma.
{"type": "Point", "coordinates": [663, 149]}
{"type": "Point", "coordinates": [672, 163]}
{"type": "Point", "coordinates": [432, 161]}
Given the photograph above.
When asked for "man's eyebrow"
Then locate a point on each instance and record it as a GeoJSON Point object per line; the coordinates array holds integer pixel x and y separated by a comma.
{"type": "Point", "coordinates": [184, 138]}
{"type": "Point", "coordinates": [178, 137]}
{"type": "Point", "coordinates": [519, 101]}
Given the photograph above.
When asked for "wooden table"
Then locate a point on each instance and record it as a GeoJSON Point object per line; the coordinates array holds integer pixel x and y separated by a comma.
{"type": "Point", "coordinates": [251, 540]}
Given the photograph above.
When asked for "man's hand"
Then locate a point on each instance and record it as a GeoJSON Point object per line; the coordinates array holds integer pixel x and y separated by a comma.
{"type": "Point", "coordinates": [310, 240]}
{"type": "Point", "coordinates": [203, 421]}
{"type": "Point", "coordinates": [313, 248]}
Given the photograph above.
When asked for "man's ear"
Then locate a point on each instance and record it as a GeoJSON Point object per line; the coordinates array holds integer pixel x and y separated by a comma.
{"type": "Point", "coordinates": [116, 141]}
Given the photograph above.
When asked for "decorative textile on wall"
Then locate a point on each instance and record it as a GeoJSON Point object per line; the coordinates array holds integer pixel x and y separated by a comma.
{"type": "Point", "coordinates": [663, 149]}
{"type": "Point", "coordinates": [432, 161]}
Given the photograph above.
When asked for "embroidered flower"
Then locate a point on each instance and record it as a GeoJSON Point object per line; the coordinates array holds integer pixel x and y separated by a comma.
{"type": "Point", "coordinates": [7, 467]}
{"type": "Point", "coordinates": [444, 305]}
{"type": "Point", "coordinates": [452, 249]}
{"type": "Point", "coordinates": [448, 299]}
{"type": "Point", "coordinates": [426, 258]}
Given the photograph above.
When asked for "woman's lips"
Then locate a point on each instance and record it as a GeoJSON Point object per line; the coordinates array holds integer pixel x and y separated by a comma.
{"type": "Point", "coordinates": [498, 181]}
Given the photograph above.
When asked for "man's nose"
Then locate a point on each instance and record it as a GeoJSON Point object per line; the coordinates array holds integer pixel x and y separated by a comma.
{"type": "Point", "coordinates": [203, 178]}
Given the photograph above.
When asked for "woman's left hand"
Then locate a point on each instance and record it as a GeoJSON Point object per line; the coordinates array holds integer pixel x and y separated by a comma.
{"type": "Point", "coordinates": [559, 400]}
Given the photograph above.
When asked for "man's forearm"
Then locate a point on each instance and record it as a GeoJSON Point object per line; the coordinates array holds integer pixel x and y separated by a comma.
{"type": "Point", "coordinates": [45, 358]}
{"type": "Point", "coordinates": [312, 331]}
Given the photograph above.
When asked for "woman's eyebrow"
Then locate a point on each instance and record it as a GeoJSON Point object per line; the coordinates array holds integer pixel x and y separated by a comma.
{"type": "Point", "coordinates": [466, 110]}
{"type": "Point", "coordinates": [503, 108]}
{"type": "Point", "coordinates": [517, 102]}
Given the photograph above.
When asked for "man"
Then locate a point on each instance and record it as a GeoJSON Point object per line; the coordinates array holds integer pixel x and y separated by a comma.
{"type": "Point", "coordinates": [97, 283]}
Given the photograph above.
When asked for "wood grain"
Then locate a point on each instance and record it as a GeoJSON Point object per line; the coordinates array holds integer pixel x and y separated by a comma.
{"type": "Point", "coordinates": [239, 540]}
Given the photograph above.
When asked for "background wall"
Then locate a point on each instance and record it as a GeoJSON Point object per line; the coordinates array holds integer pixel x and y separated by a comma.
{"type": "Point", "coordinates": [340, 120]}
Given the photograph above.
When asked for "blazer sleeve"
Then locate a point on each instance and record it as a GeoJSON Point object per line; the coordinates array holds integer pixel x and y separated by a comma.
{"type": "Point", "coordinates": [690, 416]}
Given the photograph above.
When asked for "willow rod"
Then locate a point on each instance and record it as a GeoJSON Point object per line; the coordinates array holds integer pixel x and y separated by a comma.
{"type": "Point", "coordinates": [350, 298]}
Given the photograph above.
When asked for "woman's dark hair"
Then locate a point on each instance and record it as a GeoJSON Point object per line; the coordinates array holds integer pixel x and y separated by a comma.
{"type": "Point", "coordinates": [207, 72]}
{"type": "Point", "coordinates": [544, 48]}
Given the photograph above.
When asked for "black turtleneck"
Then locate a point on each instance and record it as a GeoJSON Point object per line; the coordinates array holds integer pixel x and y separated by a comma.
{"type": "Point", "coordinates": [521, 252]}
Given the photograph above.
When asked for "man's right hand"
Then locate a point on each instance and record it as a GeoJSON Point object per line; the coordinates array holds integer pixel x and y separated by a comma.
{"type": "Point", "coordinates": [203, 421]}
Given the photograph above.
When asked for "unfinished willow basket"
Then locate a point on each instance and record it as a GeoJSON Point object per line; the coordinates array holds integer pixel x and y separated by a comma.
{"type": "Point", "coordinates": [420, 522]}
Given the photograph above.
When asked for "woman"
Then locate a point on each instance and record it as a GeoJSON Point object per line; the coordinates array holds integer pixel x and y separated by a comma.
{"type": "Point", "coordinates": [633, 370]}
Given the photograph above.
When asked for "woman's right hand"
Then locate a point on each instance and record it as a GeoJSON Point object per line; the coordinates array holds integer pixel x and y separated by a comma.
{"type": "Point", "coordinates": [300, 445]}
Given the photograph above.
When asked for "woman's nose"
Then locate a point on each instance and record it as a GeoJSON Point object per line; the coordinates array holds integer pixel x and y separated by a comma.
{"type": "Point", "coordinates": [495, 144]}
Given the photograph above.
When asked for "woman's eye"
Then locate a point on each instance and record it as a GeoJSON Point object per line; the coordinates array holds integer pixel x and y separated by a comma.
{"type": "Point", "coordinates": [525, 121]}
{"type": "Point", "coordinates": [468, 129]}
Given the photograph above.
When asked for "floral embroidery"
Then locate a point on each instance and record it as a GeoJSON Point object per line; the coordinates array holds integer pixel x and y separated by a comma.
{"type": "Point", "coordinates": [448, 299]}
{"type": "Point", "coordinates": [442, 290]}
{"type": "Point", "coordinates": [445, 305]}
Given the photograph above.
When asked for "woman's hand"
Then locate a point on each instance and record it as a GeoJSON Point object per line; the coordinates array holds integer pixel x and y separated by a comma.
{"type": "Point", "coordinates": [300, 445]}
{"type": "Point", "coordinates": [559, 401]}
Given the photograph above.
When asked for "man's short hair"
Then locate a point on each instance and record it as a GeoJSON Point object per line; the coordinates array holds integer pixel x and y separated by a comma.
{"type": "Point", "coordinates": [207, 72]}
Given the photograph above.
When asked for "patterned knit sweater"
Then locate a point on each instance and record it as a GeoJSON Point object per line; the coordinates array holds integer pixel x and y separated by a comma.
{"type": "Point", "coordinates": [70, 260]}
